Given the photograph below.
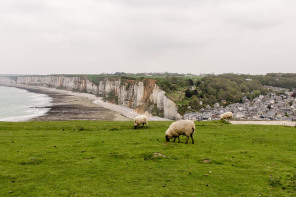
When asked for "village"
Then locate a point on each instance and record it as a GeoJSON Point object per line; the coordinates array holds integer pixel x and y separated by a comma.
{"type": "Point", "coordinates": [280, 104]}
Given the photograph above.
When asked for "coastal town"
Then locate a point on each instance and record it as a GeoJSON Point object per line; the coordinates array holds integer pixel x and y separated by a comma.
{"type": "Point", "coordinates": [280, 104]}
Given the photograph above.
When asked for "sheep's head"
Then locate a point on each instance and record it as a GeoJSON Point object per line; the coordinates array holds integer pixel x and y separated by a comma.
{"type": "Point", "coordinates": [168, 135]}
{"type": "Point", "coordinates": [167, 138]}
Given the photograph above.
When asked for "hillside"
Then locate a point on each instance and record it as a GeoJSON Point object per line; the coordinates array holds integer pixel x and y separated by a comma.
{"type": "Point", "coordinates": [167, 95]}
{"type": "Point", "coordinates": [192, 93]}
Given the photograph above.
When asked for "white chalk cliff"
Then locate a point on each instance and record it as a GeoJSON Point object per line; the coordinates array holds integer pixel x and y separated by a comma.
{"type": "Point", "coordinates": [142, 95]}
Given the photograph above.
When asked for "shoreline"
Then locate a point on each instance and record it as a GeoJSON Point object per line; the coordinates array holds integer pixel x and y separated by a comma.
{"type": "Point", "coordinates": [68, 105]}
{"type": "Point", "coordinates": [65, 106]}
{"type": "Point", "coordinates": [20, 105]}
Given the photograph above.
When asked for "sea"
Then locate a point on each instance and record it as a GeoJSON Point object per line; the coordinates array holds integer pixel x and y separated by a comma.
{"type": "Point", "coordinates": [18, 105]}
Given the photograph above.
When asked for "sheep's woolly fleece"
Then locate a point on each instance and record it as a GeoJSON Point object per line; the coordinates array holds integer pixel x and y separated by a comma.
{"type": "Point", "coordinates": [226, 115]}
{"type": "Point", "coordinates": [142, 119]}
{"type": "Point", "coordinates": [181, 127]}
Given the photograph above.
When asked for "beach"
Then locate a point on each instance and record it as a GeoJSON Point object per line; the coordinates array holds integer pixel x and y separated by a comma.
{"type": "Point", "coordinates": [68, 106]}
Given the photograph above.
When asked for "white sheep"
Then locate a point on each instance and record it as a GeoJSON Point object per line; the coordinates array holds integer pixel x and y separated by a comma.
{"type": "Point", "coordinates": [226, 115]}
{"type": "Point", "coordinates": [140, 120]}
{"type": "Point", "coordinates": [180, 127]}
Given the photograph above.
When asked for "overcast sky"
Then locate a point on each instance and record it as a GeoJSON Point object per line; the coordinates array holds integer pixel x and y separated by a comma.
{"type": "Point", "coordinates": [184, 36]}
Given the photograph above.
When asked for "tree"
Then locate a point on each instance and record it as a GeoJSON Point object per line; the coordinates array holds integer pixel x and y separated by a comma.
{"type": "Point", "coordinates": [188, 93]}
{"type": "Point", "coordinates": [195, 103]}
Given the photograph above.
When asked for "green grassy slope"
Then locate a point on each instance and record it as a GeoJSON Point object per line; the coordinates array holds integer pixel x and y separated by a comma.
{"type": "Point", "coordinates": [94, 158]}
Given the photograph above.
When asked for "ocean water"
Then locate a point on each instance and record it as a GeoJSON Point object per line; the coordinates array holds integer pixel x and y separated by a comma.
{"type": "Point", "coordinates": [17, 105]}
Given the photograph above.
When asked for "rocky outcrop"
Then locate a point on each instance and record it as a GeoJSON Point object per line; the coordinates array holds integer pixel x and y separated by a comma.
{"type": "Point", "coordinates": [273, 106]}
{"type": "Point", "coordinates": [144, 96]}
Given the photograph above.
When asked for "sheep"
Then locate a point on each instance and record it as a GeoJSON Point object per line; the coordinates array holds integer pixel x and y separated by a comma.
{"type": "Point", "coordinates": [226, 115]}
{"type": "Point", "coordinates": [180, 127]}
{"type": "Point", "coordinates": [142, 119]}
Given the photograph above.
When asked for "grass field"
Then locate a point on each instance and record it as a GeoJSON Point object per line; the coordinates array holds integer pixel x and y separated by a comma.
{"type": "Point", "coordinates": [94, 158]}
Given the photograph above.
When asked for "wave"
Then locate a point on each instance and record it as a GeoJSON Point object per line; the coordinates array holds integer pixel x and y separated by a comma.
{"type": "Point", "coordinates": [25, 117]}
{"type": "Point", "coordinates": [18, 105]}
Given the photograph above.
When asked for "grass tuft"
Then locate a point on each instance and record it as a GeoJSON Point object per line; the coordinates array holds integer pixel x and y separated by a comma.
{"type": "Point", "coordinates": [32, 161]}
{"type": "Point", "coordinates": [223, 121]}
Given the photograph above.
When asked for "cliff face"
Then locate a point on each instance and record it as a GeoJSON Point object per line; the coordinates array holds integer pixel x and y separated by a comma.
{"type": "Point", "coordinates": [142, 95]}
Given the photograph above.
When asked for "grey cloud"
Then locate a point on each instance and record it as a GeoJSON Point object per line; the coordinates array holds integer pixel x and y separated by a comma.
{"type": "Point", "coordinates": [204, 36]}
{"type": "Point", "coordinates": [23, 7]}
{"type": "Point", "coordinates": [160, 3]}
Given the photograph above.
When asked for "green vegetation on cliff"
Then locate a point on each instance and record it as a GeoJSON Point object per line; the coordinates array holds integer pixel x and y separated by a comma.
{"type": "Point", "coordinates": [98, 158]}
{"type": "Point", "coordinates": [193, 93]}
{"type": "Point", "coordinates": [283, 80]}
{"type": "Point", "coordinates": [229, 88]}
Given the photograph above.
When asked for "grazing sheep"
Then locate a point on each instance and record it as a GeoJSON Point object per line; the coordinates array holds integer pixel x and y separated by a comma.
{"type": "Point", "coordinates": [226, 115]}
{"type": "Point", "coordinates": [142, 119]}
{"type": "Point", "coordinates": [180, 127]}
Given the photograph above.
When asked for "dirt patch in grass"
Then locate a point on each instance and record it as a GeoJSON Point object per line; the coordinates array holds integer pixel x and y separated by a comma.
{"type": "Point", "coordinates": [206, 160]}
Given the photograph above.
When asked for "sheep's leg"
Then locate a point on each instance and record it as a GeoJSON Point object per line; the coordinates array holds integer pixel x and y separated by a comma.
{"type": "Point", "coordinates": [187, 138]}
{"type": "Point", "coordinates": [192, 138]}
{"type": "Point", "coordinates": [142, 125]}
{"type": "Point", "coordinates": [174, 139]}
{"type": "Point", "coordinates": [178, 139]}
